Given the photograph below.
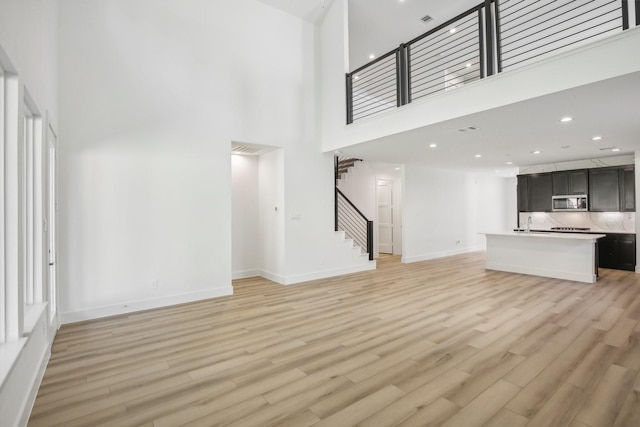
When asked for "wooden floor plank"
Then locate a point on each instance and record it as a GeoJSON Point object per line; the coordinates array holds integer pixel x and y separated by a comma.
{"type": "Point", "coordinates": [439, 342]}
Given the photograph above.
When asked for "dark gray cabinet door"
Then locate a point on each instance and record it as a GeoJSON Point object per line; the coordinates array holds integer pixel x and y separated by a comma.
{"type": "Point", "coordinates": [628, 180]}
{"type": "Point", "coordinates": [604, 190]}
{"type": "Point", "coordinates": [617, 251]}
{"type": "Point", "coordinates": [574, 182]}
{"type": "Point", "coordinates": [627, 252]}
{"type": "Point", "coordinates": [540, 192]}
{"type": "Point", "coordinates": [523, 193]}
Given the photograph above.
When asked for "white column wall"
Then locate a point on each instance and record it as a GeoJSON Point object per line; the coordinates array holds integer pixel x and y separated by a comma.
{"type": "Point", "coordinates": [444, 210]}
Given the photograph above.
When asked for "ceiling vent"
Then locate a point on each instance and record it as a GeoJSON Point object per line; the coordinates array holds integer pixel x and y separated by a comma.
{"type": "Point", "coordinates": [426, 18]}
{"type": "Point", "coordinates": [244, 149]}
{"type": "Point", "coordinates": [467, 128]}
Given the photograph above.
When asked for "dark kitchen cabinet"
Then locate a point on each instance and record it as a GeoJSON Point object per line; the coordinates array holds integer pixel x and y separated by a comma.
{"type": "Point", "coordinates": [604, 190]}
{"type": "Point", "coordinates": [612, 189]}
{"type": "Point", "coordinates": [573, 182]}
{"type": "Point", "coordinates": [540, 192]}
{"type": "Point", "coordinates": [523, 193]}
{"type": "Point", "coordinates": [617, 251]}
{"type": "Point", "coordinates": [628, 189]}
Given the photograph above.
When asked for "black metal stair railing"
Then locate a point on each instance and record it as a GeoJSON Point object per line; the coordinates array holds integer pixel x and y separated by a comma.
{"type": "Point", "coordinates": [348, 217]}
{"type": "Point", "coordinates": [489, 38]}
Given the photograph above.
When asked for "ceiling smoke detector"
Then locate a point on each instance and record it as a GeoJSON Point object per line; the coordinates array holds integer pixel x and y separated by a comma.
{"type": "Point", "coordinates": [426, 18]}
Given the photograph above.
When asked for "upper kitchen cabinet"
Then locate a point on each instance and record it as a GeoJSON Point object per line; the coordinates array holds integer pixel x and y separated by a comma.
{"type": "Point", "coordinates": [534, 192]}
{"type": "Point", "coordinates": [612, 189]}
{"type": "Point", "coordinates": [628, 190]}
{"type": "Point", "coordinates": [573, 182]}
{"type": "Point", "coordinates": [523, 193]}
{"type": "Point", "coordinates": [540, 192]}
{"type": "Point", "coordinates": [604, 190]}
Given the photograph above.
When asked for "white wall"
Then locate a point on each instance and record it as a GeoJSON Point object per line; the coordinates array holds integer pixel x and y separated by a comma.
{"type": "Point", "coordinates": [154, 94]}
{"type": "Point", "coordinates": [28, 35]}
{"type": "Point", "coordinates": [444, 210]}
{"type": "Point", "coordinates": [28, 38]}
{"type": "Point", "coordinates": [245, 245]}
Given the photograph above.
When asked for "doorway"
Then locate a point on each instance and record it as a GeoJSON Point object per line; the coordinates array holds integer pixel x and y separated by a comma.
{"type": "Point", "coordinates": [385, 216]}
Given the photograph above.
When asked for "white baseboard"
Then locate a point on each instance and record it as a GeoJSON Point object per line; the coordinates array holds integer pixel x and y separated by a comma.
{"type": "Point", "coordinates": [133, 306]}
{"type": "Point", "coordinates": [442, 254]}
{"type": "Point", "coordinates": [371, 265]}
{"type": "Point", "coordinates": [245, 274]}
{"type": "Point", "coordinates": [278, 278]}
{"type": "Point", "coordinates": [33, 393]}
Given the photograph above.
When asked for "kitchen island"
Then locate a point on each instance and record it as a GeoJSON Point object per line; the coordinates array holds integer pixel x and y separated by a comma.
{"type": "Point", "coordinates": [562, 256]}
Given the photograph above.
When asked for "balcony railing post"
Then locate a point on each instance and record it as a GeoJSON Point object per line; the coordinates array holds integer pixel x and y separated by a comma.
{"type": "Point", "coordinates": [488, 26]}
{"type": "Point", "coordinates": [408, 73]}
{"type": "Point", "coordinates": [402, 77]}
{"type": "Point", "coordinates": [370, 239]}
{"type": "Point", "coordinates": [481, 48]}
{"type": "Point", "coordinates": [349, 86]}
{"type": "Point", "coordinates": [625, 14]}
{"type": "Point", "coordinates": [498, 39]}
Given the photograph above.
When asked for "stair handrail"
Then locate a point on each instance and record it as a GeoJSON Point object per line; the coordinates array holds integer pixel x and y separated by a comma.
{"type": "Point", "coordinates": [369, 223]}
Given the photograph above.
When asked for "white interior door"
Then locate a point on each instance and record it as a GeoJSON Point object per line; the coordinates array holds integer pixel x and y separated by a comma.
{"type": "Point", "coordinates": [385, 216]}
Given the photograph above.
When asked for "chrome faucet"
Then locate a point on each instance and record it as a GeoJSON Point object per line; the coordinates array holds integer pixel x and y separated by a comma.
{"type": "Point", "coordinates": [529, 224]}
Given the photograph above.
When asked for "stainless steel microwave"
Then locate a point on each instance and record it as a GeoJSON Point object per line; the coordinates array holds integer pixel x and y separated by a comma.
{"type": "Point", "coordinates": [569, 203]}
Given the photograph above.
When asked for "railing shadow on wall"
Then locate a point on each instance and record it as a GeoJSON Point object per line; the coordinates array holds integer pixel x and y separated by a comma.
{"type": "Point", "coordinates": [489, 38]}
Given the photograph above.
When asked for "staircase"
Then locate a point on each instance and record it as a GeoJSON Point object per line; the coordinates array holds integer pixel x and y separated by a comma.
{"type": "Point", "coordinates": [348, 218]}
{"type": "Point", "coordinates": [343, 166]}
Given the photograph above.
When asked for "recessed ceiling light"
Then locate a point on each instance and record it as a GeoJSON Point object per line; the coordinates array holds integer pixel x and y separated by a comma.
{"type": "Point", "coordinates": [566, 119]}
{"type": "Point", "coordinates": [509, 163]}
{"type": "Point", "coordinates": [397, 169]}
{"type": "Point", "coordinates": [478, 156]}
{"type": "Point", "coordinates": [615, 149]}
{"type": "Point", "coordinates": [453, 30]}
{"type": "Point", "coordinates": [596, 138]}
{"type": "Point", "coordinates": [536, 152]}
{"type": "Point", "coordinates": [433, 145]}
{"type": "Point", "coordinates": [372, 56]}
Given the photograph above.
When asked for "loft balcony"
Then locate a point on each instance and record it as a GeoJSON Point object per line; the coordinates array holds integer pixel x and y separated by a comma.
{"type": "Point", "coordinates": [490, 38]}
{"type": "Point", "coordinates": [494, 55]}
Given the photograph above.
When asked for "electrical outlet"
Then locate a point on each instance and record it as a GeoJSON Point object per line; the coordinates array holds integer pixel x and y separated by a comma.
{"type": "Point", "coordinates": [457, 242]}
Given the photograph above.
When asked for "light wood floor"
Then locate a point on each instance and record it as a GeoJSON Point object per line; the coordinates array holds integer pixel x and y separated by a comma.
{"type": "Point", "coordinates": [441, 342]}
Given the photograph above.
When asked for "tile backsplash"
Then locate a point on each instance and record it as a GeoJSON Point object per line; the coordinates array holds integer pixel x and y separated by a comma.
{"type": "Point", "coordinates": [611, 222]}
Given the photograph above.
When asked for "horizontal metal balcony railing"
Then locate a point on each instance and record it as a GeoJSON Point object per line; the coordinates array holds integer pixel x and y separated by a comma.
{"type": "Point", "coordinates": [493, 36]}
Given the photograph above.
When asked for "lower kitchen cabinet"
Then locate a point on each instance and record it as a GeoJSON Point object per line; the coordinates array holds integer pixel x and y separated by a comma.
{"type": "Point", "coordinates": [617, 251]}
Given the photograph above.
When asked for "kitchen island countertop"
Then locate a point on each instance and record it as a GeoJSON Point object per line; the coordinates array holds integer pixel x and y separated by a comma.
{"type": "Point", "coordinates": [569, 256]}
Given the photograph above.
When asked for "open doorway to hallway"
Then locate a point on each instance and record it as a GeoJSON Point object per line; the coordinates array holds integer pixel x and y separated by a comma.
{"type": "Point", "coordinates": [257, 217]}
